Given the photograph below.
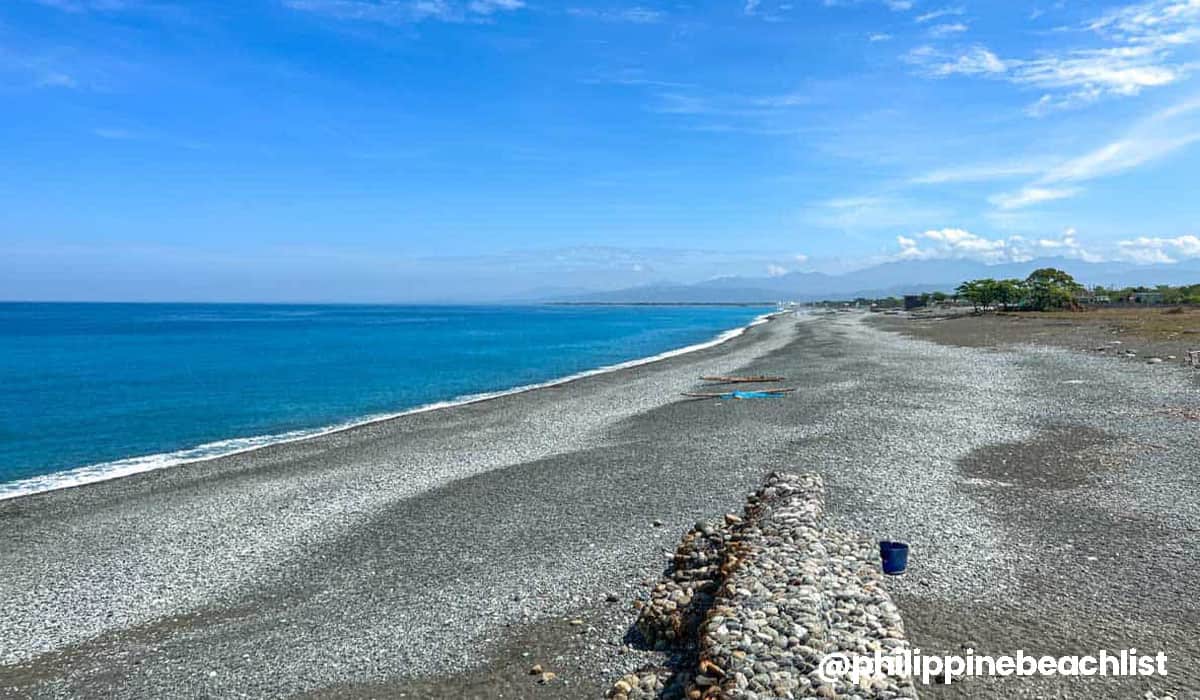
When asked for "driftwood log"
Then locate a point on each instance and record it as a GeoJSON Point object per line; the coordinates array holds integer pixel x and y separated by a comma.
{"type": "Point", "coordinates": [757, 379]}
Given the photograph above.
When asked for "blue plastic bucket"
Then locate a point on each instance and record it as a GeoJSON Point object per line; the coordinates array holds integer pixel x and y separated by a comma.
{"type": "Point", "coordinates": [894, 556]}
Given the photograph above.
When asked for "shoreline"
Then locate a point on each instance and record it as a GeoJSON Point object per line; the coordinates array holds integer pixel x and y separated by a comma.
{"type": "Point", "coordinates": [246, 539]}
{"type": "Point", "coordinates": [447, 554]}
{"type": "Point", "coordinates": [207, 452]}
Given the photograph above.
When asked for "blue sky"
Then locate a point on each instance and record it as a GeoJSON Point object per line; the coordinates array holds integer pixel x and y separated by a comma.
{"type": "Point", "coordinates": [422, 149]}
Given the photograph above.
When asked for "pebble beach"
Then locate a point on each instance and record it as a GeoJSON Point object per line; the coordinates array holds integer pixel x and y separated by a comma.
{"type": "Point", "coordinates": [506, 548]}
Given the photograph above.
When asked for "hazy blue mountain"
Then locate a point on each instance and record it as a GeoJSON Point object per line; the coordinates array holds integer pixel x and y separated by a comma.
{"type": "Point", "coordinates": [888, 279]}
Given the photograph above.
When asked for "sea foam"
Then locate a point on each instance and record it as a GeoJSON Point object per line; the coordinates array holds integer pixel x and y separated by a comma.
{"type": "Point", "coordinates": [106, 471]}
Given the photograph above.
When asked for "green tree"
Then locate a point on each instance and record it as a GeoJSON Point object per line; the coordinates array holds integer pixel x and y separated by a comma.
{"type": "Point", "coordinates": [1051, 288]}
{"type": "Point", "coordinates": [1009, 292]}
{"type": "Point", "coordinates": [1122, 294]}
{"type": "Point", "coordinates": [981, 293]}
{"type": "Point", "coordinates": [970, 291]}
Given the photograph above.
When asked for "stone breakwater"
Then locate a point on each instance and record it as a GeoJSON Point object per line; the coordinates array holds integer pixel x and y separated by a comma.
{"type": "Point", "coordinates": [751, 604]}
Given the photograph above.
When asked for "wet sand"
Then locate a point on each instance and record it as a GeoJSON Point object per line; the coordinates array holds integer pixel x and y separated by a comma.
{"type": "Point", "coordinates": [1051, 504]}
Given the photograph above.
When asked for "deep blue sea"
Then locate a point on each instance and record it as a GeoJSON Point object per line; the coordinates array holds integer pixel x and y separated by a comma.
{"type": "Point", "coordinates": [91, 391]}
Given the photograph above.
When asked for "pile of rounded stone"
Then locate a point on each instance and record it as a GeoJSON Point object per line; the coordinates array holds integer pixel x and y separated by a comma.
{"type": "Point", "coordinates": [679, 601]}
{"type": "Point", "coordinates": [754, 602]}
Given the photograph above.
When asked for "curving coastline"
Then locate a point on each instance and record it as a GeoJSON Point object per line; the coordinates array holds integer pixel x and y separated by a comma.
{"type": "Point", "coordinates": [116, 469]}
{"type": "Point", "coordinates": [234, 547]}
{"type": "Point", "coordinates": [449, 553]}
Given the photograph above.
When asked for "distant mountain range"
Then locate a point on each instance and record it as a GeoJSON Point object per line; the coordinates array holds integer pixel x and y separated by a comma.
{"type": "Point", "coordinates": [889, 279]}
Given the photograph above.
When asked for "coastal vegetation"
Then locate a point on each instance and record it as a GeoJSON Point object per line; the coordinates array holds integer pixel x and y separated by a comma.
{"type": "Point", "coordinates": [1049, 289]}
{"type": "Point", "coordinates": [1185, 294]}
{"type": "Point", "coordinates": [1045, 289]}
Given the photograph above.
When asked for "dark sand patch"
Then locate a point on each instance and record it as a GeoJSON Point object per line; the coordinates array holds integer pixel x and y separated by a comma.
{"type": "Point", "coordinates": [1149, 332]}
{"type": "Point", "coordinates": [557, 646]}
{"type": "Point", "coordinates": [1060, 457]}
{"type": "Point", "coordinates": [940, 628]}
{"type": "Point", "coordinates": [1088, 577]}
{"type": "Point", "coordinates": [103, 661]}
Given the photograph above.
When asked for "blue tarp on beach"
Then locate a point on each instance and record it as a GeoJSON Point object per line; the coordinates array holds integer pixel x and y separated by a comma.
{"type": "Point", "coordinates": [752, 395]}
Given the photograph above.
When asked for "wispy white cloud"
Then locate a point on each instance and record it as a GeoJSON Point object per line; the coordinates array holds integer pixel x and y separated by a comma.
{"type": "Point", "coordinates": [947, 29]}
{"type": "Point", "coordinates": [1139, 52]}
{"type": "Point", "coordinates": [635, 77]}
{"type": "Point", "coordinates": [769, 12]}
{"type": "Point", "coordinates": [1152, 139]}
{"type": "Point", "coordinates": [40, 69]}
{"type": "Point", "coordinates": [1086, 76]}
{"type": "Point", "coordinates": [488, 7]}
{"type": "Point", "coordinates": [1070, 80]}
{"type": "Point", "coordinates": [1118, 156]}
{"type": "Point", "coordinates": [407, 11]}
{"type": "Point", "coordinates": [893, 5]}
{"type": "Point", "coordinates": [879, 36]}
{"type": "Point", "coordinates": [1056, 178]}
{"type": "Point", "coordinates": [777, 10]}
{"type": "Point", "coordinates": [631, 15]}
{"type": "Point", "coordinates": [117, 134]}
{"type": "Point", "coordinates": [976, 60]}
{"type": "Point", "coordinates": [1154, 23]}
{"type": "Point", "coordinates": [938, 14]}
{"type": "Point", "coordinates": [59, 65]}
{"type": "Point", "coordinates": [855, 202]}
{"type": "Point", "coordinates": [771, 114]}
{"type": "Point", "coordinates": [57, 79]}
{"type": "Point", "coordinates": [1029, 196]}
{"type": "Point", "coordinates": [872, 213]}
{"type": "Point", "coordinates": [88, 5]}
{"type": "Point", "coordinates": [983, 172]}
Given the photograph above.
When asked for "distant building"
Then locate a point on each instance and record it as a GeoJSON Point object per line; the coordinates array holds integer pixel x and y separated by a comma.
{"type": "Point", "coordinates": [1091, 297]}
{"type": "Point", "coordinates": [1147, 298]}
{"type": "Point", "coordinates": [913, 301]}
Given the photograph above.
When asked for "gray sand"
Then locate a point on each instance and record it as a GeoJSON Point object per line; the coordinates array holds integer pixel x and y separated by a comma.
{"type": "Point", "coordinates": [1051, 504]}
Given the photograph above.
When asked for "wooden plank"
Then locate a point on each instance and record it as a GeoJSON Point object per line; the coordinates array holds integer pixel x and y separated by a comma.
{"type": "Point", "coordinates": [723, 394]}
{"type": "Point", "coordinates": [743, 380]}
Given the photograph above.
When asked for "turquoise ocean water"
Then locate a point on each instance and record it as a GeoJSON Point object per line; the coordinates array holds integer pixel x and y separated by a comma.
{"type": "Point", "coordinates": [92, 391]}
